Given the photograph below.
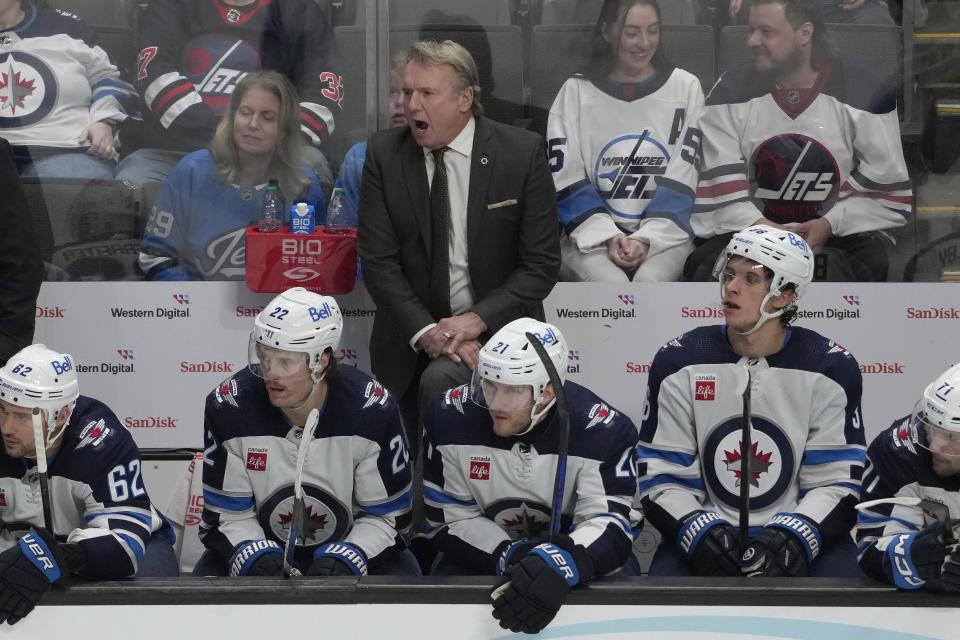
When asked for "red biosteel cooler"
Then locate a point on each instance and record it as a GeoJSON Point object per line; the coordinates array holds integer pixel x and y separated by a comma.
{"type": "Point", "coordinates": [319, 261]}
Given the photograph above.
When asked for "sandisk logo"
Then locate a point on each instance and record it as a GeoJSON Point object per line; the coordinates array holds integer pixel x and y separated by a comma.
{"type": "Point", "coordinates": [256, 461]}
{"type": "Point", "coordinates": [479, 468]}
{"type": "Point", "coordinates": [706, 390]}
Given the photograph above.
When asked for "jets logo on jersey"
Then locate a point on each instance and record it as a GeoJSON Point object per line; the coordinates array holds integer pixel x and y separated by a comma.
{"type": "Point", "coordinates": [625, 170]}
{"type": "Point", "coordinates": [673, 343]}
{"type": "Point", "coordinates": [28, 90]}
{"type": "Point", "coordinates": [375, 394]}
{"type": "Point", "coordinates": [456, 396]}
{"type": "Point", "coordinates": [326, 519]}
{"type": "Point", "coordinates": [94, 433]}
{"type": "Point", "coordinates": [600, 414]}
{"type": "Point", "coordinates": [835, 347]}
{"type": "Point", "coordinates": [521, 519]}
{"type": "Point", "coordinates": [227, 392]}
{"type": "Point", "coordinates": [228, 253]}
{"type": "Point", "coordinates": [771, 462]}
{"type": "Point", "coordinates": [794, 178]}
{"type": "Point", "coordinates": [215, 63]}
{"type": "Point", "coordinates": [233, 15]}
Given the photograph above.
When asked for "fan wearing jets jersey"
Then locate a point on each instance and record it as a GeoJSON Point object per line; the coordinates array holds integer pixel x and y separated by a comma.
{"type": "Point", "coordinates": [72, 500]}
{"type": "Point", "coordinates": [807, 444]}
{"type": "Point", "coordinates": [804, 140]}
{"type": "Point", "coordinates": [909, 536]}
{"type": "Point", "coordinates": [356, 474]}
{"type": "Point", "coordinates": [623, 143]}
{"type": "Point", "coordinates": [491, 457]}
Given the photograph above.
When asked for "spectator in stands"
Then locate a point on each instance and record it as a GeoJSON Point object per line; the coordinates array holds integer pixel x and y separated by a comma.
{"type": "Point", "coordinates": [192, 54]}
{"type": "Point", "coordinates": [65, 97]}
{"type": "Point", "coordinates": [917, 458]}
{"type": "Point", "coordinates": [351, 169]}
{"type": "Point", "coordinates": [802, 139]}
{"type": "Point", "coordinates": [196, 229]}
{"type": "Point", "coordinates": [842, 11]}
{"type": "Point", "coordinates": [623, 142]}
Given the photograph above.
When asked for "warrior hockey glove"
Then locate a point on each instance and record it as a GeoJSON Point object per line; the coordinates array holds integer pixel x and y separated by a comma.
{"type": "Point", "coordinates": [917, 559]}
{"type": "Point", "coordinates": [530, 592]}
{"type": "Point", "coordinates": [786, 546]}
{"type": "Point", "coordinates": [513, 553]}
{"type": "Point", "coordinates": [257, 558]}
{"type": "Point", "coordinates": [338, 559]}
{"type": "Point", "coordinates": [711, 545]}
{"type": "Point", "coordinates": [27, 570]}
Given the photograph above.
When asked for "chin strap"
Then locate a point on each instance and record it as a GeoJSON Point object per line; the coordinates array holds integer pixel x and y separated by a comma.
{"type": "Point", "coordinates": [537, 416]}
{"type": "Point", "coordinates": [317, 379]}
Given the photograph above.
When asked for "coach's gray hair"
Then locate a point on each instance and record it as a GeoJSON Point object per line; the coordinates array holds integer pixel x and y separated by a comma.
{"type": "Point", "coordinates": [433, 53]}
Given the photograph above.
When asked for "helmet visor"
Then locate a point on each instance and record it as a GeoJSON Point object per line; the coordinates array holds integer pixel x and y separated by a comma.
{"type": "Point", "coordinates": [271, 363]}
{"type": "Point", "coordinates": [498, 396]}
{"type": "Point", "coordinates": [933, 437]}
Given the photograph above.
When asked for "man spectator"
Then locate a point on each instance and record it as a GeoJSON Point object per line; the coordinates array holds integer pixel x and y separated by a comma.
{"type": "Point", "coordinates": [805, 140]}
{"type": "Point", "coordinates": [458, 232]}
{"type": "Point", "coordinates": [192, 54]}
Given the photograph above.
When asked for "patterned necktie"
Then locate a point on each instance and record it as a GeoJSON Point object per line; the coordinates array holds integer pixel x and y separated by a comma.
{"type": "Point", "coordinates": [439, 239]}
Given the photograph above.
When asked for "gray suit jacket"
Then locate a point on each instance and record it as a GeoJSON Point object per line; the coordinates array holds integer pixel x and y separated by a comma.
{"type": "Point", "coordinates": [513, 250]}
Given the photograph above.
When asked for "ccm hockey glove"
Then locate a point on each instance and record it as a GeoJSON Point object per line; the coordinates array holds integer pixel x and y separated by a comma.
{"type": "Point", "coordinates": [786, 546]}
{"type": "Point", "coordinates": [921, 559]}
{"type": "Point", "coordinates": [27, 570]}
{"type": "Point", "coordinates": [710, 544]}
{"type": "Point", "coordinates": [257, 558]}
{"type": "Point", "coordinates": [530, 592]}
{"type": "Point", "coordinates": [338, 559]}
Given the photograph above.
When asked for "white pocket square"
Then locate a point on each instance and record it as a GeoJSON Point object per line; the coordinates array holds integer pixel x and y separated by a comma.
{"type": "Point", "coordinates": [504, 203]}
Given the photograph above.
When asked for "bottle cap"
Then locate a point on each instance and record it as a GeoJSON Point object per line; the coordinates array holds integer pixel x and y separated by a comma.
{"type": "Point", "coordinates": [302, 208]}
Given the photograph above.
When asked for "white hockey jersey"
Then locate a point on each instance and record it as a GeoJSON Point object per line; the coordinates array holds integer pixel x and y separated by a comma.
{"type": "Point", "coordinates": [356, 480]}
{"type": "Point", "coordinates": [482, 491]}
{"type": "Point", "coordinates": [623, 158]}
{"type": "Point", "coordinates": [831, 151]}
{"type": "Point", "coordinates": [54, 82]}
{"type": "Point", "coordinates": [897, 466]}
{"type": "Point", "coordinates": [808, 443]}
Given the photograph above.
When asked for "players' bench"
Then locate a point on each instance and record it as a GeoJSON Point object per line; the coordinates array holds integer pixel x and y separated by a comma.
{"type": "Point", "coordinates": [86, 229]}
{"type": "Point", "coordinates": [557, 51]}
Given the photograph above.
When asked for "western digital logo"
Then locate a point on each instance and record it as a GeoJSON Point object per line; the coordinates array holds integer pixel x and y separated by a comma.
{"type": "Point", "coordinates": [166, 313]}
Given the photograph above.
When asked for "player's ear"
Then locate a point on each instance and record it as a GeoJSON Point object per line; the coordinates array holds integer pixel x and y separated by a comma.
{"type": "Point", "coordinates": [784, 299]}
{"type": "Point", "coordinates": [62, 416]}
{"type": "Point", "coordinates": [548, 394]}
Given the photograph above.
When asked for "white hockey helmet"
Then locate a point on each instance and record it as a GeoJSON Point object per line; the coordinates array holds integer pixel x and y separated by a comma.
{"type": "Point", "coordinates": [508, 358]}
{"type": "Point", "coordinates": [300, 321]}
{"type": "Point", "coordinates": [936, 415]}
{"type": "Point", "coordinates": [37, 376]}
{"type": "Point", "coordinates": [785, 253]}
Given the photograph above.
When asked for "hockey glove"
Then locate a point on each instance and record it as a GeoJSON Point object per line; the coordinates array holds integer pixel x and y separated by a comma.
{"type": "Point", "coordinates": [917, 559]}
{"type": "Point", "coordinates": [710, 544]}
{"type": "Point", "coordinates": [27, 570]}
{"type": "Point", "coordinates": [513, 553]}
{"type": "Point", "coordinates": [257, 558]}
{"type": "Point", "coordinates": [786, 546]}
{"type": "Point", "coordinates": [530, 592]}
{"type": "Point", "coordinates": [338, 559]}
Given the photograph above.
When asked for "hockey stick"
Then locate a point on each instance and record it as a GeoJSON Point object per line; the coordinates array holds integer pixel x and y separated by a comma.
{"type": "Point", "coordinates": [563, 423]}
{"type": "Point", "coordinates": [746, 452]}
{"type": "Point", "coordinates": [939, 511]}
{"type": "Point", "coordinates": [41, 447]}
{"type": "Point", "coordinates": [297, 518]}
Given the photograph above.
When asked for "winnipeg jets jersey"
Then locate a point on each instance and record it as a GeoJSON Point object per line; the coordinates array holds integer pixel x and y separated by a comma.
{"type": "Point", "coordinates": [898, 466]}
{"type": "Point", "coordinates": [55, 82]}
{"type": "Point", "coordinates": [197, 228]}
{"type": "Point", "coordinates": [194, 52]}
{"type": "Point", "coordinates": [831, 151]}
{"type": "Point", "coordinates": [96, 491]}
{"type": "Point", "coordinates": [356, 479]}
{"type": "Point", "coordinates": [624, 158]}
{"type": "Point", "coordinates": [808, 445]}
{"type": "Point", "coordinates": [482, 490]}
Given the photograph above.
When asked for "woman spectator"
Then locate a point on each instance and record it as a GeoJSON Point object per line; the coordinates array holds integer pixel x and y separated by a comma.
{"type": "Point", "coordinates": [62, 98]}
{"type": "Point", "coordinates": [196, 230]}
{"type": "Point", "coordinates": [623, 142]}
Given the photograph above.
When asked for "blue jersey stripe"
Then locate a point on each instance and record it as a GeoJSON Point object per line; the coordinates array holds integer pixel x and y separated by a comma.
{"type": "Point", "coordinates": [438, 496]}
{"type": "Point", "coordinates": [690, 483]}
{"type": "Point", "coordinates": [227, 503]}
{"type": "Point", "coordinates": [821, 456]}
{"type": "Point", "coordinates": [386, 508]}
{"type": "Point", "coordinates": [581, 201]}
{"type": "Point", "coordinates": [673, 457]}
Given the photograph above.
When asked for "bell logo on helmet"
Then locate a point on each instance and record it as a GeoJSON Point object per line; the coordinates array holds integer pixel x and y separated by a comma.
{"type": "Point", "coordinates": [797, 241]}
{"type": "Point", "coordinates": [322, 313]}
{"type": "Point", "coordinates": [62, 367]}
{"type": "Point", "coordinates": [548, 338]}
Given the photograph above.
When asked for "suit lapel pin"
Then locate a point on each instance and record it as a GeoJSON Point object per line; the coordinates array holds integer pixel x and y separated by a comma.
{"type": "Point", "coordinates": [484, 159]}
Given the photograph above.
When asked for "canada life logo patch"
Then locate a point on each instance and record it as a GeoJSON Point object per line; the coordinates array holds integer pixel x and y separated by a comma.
{"type": "Point", "coordinates": [705, 387]}
{"type": "Point", "coordinates": [479, 467]}
{"type": "Point", "coordinates": [257, 460]}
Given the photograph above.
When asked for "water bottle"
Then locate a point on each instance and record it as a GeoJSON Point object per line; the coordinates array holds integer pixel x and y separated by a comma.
{"type": "Point", "coordinates": [341, 218]}
{"type": "Point", "coordinates": [271, 211]}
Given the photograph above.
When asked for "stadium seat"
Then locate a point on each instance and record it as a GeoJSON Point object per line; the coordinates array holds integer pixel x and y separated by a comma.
{"type": "Point", "coordinates": [117, 13]}
{"type": "Point", "coordinates": [557, 51]}
{"type": "Point", "coordinates": [119, 44]}
{"type": "Point", "coordinates": [86, 229]}
{"type": "Point", "coordinates": [586, 11]}
{"type": "Point", "coordinates": [497, 12]}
